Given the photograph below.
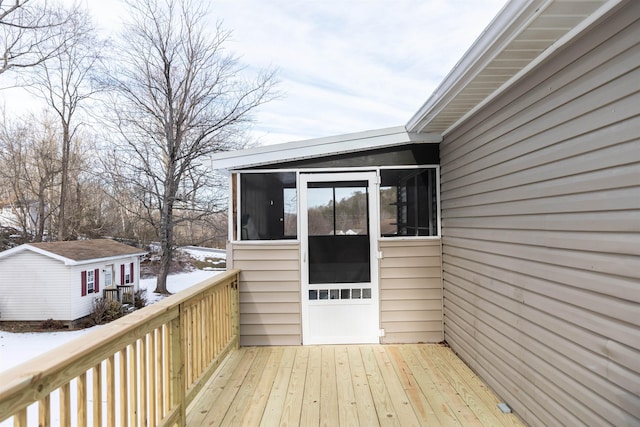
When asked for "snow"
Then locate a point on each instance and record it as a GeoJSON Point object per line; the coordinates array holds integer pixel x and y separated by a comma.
{"type": "Point", "coordinates": [16, 348]}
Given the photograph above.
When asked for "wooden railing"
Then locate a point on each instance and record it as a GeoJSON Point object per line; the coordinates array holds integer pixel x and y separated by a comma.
{"type": "Point", "coordinates": [140, 370]}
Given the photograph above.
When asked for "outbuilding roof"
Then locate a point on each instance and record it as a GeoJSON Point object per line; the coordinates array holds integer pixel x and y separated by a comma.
{"type": "Point", "coordinates": [78, 251]}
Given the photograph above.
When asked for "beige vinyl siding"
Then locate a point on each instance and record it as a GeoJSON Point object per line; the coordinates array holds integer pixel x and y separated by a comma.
{"type": "Point", "coordinates": [540, 200]}
{"type": "Point", "coordinates": [269, 292]}
{"type": "Point", "coordinates": [411, 291]}
{"type": "Point", "coordinates": [34, 287]}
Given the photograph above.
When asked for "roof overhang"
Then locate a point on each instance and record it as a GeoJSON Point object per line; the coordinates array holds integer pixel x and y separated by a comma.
{"type": "Point", "coordinates": [65, 260]}
{"type": "Point", "coordinates": [320, 147]}
{"type": "Point", "coordinates": [521, 36]}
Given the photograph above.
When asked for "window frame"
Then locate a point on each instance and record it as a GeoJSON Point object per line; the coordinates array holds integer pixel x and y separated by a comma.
{"type": "Point", "coordinates": [91, 283]}
{"type": "Point", "coordinates": [438, 234]}
{"type": "Point", "coordinates": [235, 234]}
{"type": "Point", "coordinates": [235, 200]}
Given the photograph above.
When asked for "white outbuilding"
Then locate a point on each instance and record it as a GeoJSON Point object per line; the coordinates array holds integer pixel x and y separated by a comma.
{"type": "Point", "coordinates": [60, 280]}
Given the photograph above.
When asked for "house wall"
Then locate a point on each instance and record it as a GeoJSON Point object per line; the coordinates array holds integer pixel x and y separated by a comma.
{"type": "Point", "coordinates": [541, 234]}
{"type": "Point", "coordinates": [269, 292]}
{"type": "Point", "coordinates": [33, 287]}
{"type": "Point", "coordinates": [270, 312]}
{"type": "Point", "coordinates": [83, 305]}
{"type": "Point", "coordinates": [411, 291]}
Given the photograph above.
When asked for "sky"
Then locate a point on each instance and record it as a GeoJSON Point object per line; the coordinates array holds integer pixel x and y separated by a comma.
{"type": "Point", "coordinates": [343, 66]}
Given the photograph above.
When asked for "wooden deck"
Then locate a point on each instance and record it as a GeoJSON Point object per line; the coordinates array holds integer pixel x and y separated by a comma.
{"type": "Point", "coordinates": [402, 385]}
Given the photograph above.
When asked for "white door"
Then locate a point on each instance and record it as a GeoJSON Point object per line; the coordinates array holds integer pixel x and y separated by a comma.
{"type": "Point", "coordinates": [339, 258]}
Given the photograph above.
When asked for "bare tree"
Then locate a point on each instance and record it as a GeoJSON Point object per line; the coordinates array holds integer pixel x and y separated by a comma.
{"type": "Point", "coordinates": [65, 82]}
{"type": "Point", "coordinates": [29, 172]}
{"type": "Point", "coordinates": [30, 32]}
{"type": "Point", "coordinates": [179, 97]}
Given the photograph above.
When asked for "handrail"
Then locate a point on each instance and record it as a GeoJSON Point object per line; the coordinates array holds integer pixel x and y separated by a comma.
{"type": "Point", "coordinates": [142, 369]}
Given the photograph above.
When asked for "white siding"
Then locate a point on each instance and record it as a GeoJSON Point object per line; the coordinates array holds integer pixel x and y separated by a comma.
{"type": "Point", "coordinates": [541, 235]}
{"type": "Point", "coordinates": [411, 291]}
{"type": "Point", "coordinates": [34, 287]}
{"type": "Point", "coordinates": [269, 292]}
{"type": "Point", "coordinates": [83, 305]}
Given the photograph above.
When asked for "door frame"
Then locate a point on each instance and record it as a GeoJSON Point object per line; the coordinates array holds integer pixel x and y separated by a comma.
{"type": "Point", "coordinates": [372, 177]}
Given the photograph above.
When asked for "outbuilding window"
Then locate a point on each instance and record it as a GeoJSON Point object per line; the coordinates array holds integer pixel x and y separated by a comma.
{"type": "Point", "coordinates": [126, 274]}
{"type": "Point", "coordinates": [90, 281]}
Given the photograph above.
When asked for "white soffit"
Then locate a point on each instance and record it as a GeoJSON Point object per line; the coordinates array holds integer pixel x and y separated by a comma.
{"type": "Point", "coordinates": [314, 148]}
{"type": "Point", "coordinates": [520, 36]}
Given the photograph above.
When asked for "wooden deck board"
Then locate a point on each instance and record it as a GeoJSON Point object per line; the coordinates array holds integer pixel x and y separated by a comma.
{"type": "Point", "coordinates": [292, 407]}
{"type": "Point", "coordinates": [410, 384]}
{"type": "Point", "coordinates": [445, 389]}
{"type": "Point", "coordinates": [421, 406]}
{"type": "Point", "coordinates": [347, 411]}
{"type": "Point", "coordinates": [364, 402]}
{"type": "Point", "coordinates": [248, 406]}
{"type": "Point", "coordinates": [328, 389]}
{"type": "Point", "coordinates": [311, 393]}
{"type": "Point", "coordinates": [276, 398]}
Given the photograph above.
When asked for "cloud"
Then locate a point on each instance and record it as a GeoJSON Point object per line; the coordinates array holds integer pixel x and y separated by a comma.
{"type": "Point", "coordinates": [344, 65]}
{"type": "Point", "coordinates": [347, 66]}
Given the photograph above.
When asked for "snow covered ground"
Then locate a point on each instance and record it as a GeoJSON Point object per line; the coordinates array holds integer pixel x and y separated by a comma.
{"type": "Point", "coordinates": [16, 348]}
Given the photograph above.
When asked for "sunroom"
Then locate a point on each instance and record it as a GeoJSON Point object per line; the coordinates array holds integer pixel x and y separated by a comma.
{"type": "Point", "coordinates": [338, 239]}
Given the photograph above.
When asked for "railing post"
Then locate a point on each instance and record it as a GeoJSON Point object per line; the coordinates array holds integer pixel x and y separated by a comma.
{"type": "Point", "coordinates": [178, 389]}
{"type": "Point", "coordinates": [235, 309]}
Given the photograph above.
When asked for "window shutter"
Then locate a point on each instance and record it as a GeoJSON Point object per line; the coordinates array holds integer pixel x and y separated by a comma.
{"type": "Point", "coordinates": [96, 280]}
{"type": "Point", "coordinates": [131, 274]}
{"type": "Point", "coordinates": [122, 274]}
{"type": "Point", "coordinates": [83, 275]}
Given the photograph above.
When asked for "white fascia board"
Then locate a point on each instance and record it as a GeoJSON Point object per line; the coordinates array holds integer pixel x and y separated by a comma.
{"type": "Point", "coordinates": [582, 27]}
{"type": "Point", "coordinates": [502, 29]}
{"type": "Point", "coordinates": [514, 18]}
{"type": "Point", "coordinates": [298, 150]}
{"type": "Point", "coordinates": [28, 247]}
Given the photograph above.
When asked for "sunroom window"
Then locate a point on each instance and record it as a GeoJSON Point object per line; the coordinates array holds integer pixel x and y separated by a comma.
{"type": "Point", "coordinates": [268, 206]}
{"type": "Point", "coordinates": [408, 202]}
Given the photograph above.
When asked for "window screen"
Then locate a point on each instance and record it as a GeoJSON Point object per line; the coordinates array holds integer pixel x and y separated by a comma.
{"type": "Point", "coordinates": [408, 202]}
{"type": "Point", "coordinates": [268, 206]}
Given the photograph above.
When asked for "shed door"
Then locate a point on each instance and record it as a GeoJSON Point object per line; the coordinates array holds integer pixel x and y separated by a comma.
{"type": "Point", "coordinates": [339, 258]}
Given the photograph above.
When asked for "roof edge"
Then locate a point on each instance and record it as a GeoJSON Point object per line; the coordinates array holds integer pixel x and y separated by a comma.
{"type": "Point", "coordinates": [583, 26]}
{"type": "Point", "coordinates": [28, 247]}
{"type": "Point", "coordinates": [310, 148]}
{"type": "Point", "coordinates": [65, 260]}
{"type": "Point", "coordinates": [509, 22]}
{"type": "Point", "coordinates": [110, 258]}
{"type": "Point", "coordinates": [490, 42]}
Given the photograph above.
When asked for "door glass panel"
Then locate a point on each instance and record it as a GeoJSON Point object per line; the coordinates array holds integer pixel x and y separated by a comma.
{"type": "Point", "coordinates": [320, 211]}
{"type": "Point", "coordinates": [338, 222]}
{"type": "Point", "coordinates": [351, 210]}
